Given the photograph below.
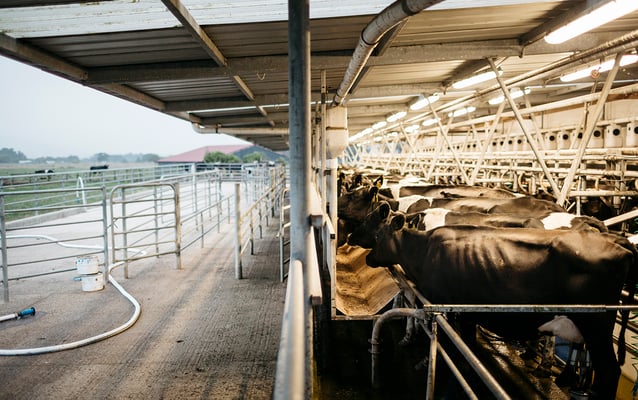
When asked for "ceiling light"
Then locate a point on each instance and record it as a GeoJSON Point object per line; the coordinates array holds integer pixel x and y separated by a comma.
{"type": "Point", "coordinates": [600, 16]}
{"type": "Point", "coordinates": [412, 128]}
{"type": "Point", "coordinates": [461, 111]}
{"type": "Point", "coordinates": [396, 116]}
{"type": "Point", "coordinates": [360, 134]}
{"type": "Point", "coordinates": [604, 67]}
{"type": "Point", "coordinates": [475, 79]}
{"type": "Point", "coordinates": [379, 125]}
{"type": "Point", "coordinates": [515, 93]}
{"type": "Point", "coordinates": [423, 101]}
{"type": "Point", "coordinates": [431, 121]}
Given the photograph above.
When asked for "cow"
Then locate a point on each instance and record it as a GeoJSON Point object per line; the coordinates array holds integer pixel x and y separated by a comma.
{"type": "Point", "coordinates": [450, 191]}
{"type": "Point", "coordinates": [525, 206]}
{"type": "Point", "coordinates": [98, 167]}
{"type": "Point", "coordinates": [353, 206]}
{"type": "Point", "coordinates": [467, 264]}
{"type": "Point", "coordinates": [435, 217]}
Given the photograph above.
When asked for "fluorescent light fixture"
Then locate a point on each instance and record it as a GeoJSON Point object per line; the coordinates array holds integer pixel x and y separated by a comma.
{"type": "Point", "coordinates": [423, 101]}
{"type": "Point", "coordinates": [411, 128]}
{"type": "Point", "coordinates": [475, 79]}
{"type": "Point", "coordinates": [360, 134]}
{"type": "Point", "coordinates": [462, 111]}
{"type": "Point", "coordinates": [379, 125]}
{"type": "Point", "coordinates": [604, 67]}
{"type": "Point", "coordinates": [594, 19]}
{"type": "Point", "coordinates": [396, 116]}
{"type": "Point", "coordinates": [515, 93]}
{"type": "Point", "coordinates": [430, 122]}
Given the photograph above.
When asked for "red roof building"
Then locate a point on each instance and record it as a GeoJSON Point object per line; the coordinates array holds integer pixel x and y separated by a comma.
{"type": "Point", "coordinates": [197, 155]}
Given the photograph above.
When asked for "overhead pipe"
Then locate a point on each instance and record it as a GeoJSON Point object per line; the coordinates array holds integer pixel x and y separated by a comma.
{"type": "Point", "coordinates": [370, 37]}
{"type": "Point", "coordinates": [625, 42]}
{"type": "Point", "coordinates": [217, 129]}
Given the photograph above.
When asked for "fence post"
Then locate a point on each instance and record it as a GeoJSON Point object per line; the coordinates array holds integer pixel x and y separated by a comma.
{"type": "Point", "coordinates": [238, 274]}
{"type": "Point", "coordinates": [3, 238]}
{"type": "Point", "coordinates": [105, 233]}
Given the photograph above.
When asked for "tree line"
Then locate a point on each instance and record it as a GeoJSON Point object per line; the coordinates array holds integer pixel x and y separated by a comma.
{"type": "Point", "coordinates": [11, 156]}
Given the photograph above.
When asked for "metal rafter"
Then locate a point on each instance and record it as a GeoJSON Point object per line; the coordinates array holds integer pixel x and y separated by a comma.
{"type": "Point", "coordinates": [186, 19]}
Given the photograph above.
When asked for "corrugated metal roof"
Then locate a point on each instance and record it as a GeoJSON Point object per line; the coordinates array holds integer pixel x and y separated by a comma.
{"type": "Point", "coordinates": [224, 65]}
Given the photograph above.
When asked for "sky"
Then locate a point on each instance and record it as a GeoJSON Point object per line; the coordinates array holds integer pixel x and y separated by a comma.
{"type": "Point", "coordinates": [45, 115]}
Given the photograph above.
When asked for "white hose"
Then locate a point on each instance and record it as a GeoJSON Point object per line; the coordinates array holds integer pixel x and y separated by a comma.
{"type": "Point", "coordinates": [93, 339]}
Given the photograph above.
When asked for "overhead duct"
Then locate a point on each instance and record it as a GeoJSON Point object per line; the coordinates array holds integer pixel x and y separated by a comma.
{"type": "Point", "coordinates": [372, 34]}
{"type": "Point", "coordinates": [270, 131]}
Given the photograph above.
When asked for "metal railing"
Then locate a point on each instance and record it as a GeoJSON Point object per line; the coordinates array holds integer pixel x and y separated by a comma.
{"type": "Point", "coordinates": [434, 314]}
{"type": "Point", "coordinates": [284, 234]}
{"type": "Point", "coordinates": [258, 213]}
{"type": "Point", "coordinates": [150, 219]}
{"type": "Point", "coordinates": [37, 247]}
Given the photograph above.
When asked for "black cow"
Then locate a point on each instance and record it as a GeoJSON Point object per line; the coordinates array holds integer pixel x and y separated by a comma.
{"type": "Point", "coordinates": [353, 206]}
{"type": "Point", "coordinates": [98, 167]}
{"type": "Point", "coordinates": [525, 206]}
{"type": "Point", "coordinates": [484, 265]}
{"type": "Point", "coordinates": [435, 217]}
{"type": "Point", "coordinates": [451, 191]}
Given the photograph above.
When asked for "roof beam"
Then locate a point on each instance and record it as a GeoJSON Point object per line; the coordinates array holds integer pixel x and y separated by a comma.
{"type": "Point", "coordinates": [241, 120]}
{"type": "Point", "coordinates": [392, 56]}
{"type": "Point", "coordinates": [186, 19]}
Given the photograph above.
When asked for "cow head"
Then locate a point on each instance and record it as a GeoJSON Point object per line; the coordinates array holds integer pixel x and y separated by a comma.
{"type": "Point", "coordinates": [354, 205]}
{"type": "Point", "coordinates": [363, 234]}
{"type": "Point", "coordinates": [384, 251]}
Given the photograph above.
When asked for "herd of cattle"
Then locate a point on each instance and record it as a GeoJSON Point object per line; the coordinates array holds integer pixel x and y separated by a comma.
{"type": "Point", "coordinates": [478, 245]}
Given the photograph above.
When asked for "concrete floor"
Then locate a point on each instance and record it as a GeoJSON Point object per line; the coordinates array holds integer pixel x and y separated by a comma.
{"type": "Point", "coordinates": [202, 334]}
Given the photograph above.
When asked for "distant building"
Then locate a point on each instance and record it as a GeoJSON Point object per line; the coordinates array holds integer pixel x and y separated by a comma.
{"type": "Point", "coordinates": [239, 150]}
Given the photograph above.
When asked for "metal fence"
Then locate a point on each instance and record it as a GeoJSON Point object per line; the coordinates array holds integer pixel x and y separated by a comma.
{"type": "Point", "coordinates": [162, 216]}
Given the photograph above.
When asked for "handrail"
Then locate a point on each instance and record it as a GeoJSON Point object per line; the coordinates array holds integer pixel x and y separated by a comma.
{"type": "Point", "coordinates": [290, 378]}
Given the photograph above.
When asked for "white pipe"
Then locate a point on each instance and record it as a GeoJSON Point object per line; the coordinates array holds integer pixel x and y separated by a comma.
{"type": "Point", "coordinates": [90, 340]}
{"type": "Point", "coordinates": [370, 37]}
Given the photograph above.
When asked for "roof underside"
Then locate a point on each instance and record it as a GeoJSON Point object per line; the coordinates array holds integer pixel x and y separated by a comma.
{"type": "Point", "coordinates": [224, 65]}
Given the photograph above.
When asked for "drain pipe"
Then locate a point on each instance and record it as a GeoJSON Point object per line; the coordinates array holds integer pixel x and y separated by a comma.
{"type": "Point", "coordinates": [376, 333]}
{"type": "Point", "coordinates": [370, 37]}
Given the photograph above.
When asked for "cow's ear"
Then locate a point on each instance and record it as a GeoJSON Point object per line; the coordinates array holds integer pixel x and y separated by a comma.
{"type": "Point", "coordinates": [373, 192]}
{"type": "Point", "coordinates": [397, 222]}
{"type": "Point", "coordinates": [378, 182]}
{"type": "Point", "coordinates": [413, 220]}
{"type": "Point", "coordinates": [384, 210]}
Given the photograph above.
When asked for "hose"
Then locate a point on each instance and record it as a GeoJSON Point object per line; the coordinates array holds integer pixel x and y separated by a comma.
{"type": "Point", "coordinates": [90, 340]}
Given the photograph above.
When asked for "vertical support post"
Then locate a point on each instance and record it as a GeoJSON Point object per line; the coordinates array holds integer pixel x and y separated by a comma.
{"type": "Point", "coordinates": [178, 225]}
{"type": "Point", "coordinates": [105, 233]}
{"type": "Point", "coordinates": [238, 266]}
{"type": "Point", "coordinates": [434, 341]}
{"type": "Point", "coordinates": [124, 232]}
{"type": "Point", "coordinates": [294, 369]}
{"type": "Point", "coordinates": [3, 240]}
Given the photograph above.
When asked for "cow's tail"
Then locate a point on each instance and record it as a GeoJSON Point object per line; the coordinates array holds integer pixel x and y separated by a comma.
{"type": "Point", "coordinates": [627, 299]}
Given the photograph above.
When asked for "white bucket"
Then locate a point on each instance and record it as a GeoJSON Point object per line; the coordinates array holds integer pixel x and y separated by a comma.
{"type": "Point", "coordinates": [93, 282]}
{"type": "Point", "coordinates": [87, 265]}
